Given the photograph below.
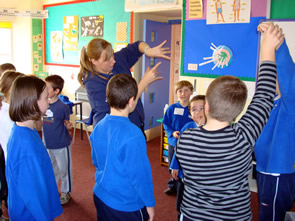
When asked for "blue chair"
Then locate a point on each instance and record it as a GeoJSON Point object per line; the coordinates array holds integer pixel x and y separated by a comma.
{"type": "Point", "coordinates": [86, 122]}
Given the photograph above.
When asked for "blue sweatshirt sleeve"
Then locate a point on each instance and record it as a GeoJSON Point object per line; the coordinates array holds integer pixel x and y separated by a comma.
{"type": "Point", "coordinates": [128, 56]}
{"type": "Point", "coordinates": [135, 160]}
{"type": "Point", "coordinates": [43, 203]}
{"type": "Point", "coordinates": [167, 124]}
{"type": "Point", "coordinates": [286, 76]}
{"type": "Point", "coordinates": [174, 164]}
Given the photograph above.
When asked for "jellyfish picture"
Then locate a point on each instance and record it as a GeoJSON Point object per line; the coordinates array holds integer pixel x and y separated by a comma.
{"type": "Point", "coordinates": [222, 56]}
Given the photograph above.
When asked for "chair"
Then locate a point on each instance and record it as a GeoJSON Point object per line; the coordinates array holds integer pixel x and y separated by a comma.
{"type": "Point", "coordinates": [86, 122]}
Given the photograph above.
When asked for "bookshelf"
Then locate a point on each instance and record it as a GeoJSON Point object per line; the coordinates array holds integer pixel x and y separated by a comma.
{"type": "Point", "coordinates": [163, 146]}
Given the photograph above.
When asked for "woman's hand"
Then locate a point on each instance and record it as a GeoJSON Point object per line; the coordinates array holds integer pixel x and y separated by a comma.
{"type": "Point", "coordinates": [158, 51]}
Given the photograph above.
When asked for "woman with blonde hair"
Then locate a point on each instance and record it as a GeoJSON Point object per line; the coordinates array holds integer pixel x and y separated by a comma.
{"type": "Point", "coordinates": [98, 63]}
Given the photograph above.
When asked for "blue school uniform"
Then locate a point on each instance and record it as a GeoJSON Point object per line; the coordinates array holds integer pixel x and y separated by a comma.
{"type": "Point", "coordinates": [33, 193]}
{"type": "Point", "coordinates": [96, 85]}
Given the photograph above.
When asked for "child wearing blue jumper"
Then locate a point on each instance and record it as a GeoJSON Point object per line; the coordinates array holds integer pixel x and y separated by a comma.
{"type": "Point", "coordinates": [275, 147]}
{"type": "Point", "coordinates": [57, 138]}
{"type": "Point", "coordinates": [124, 185]}
{"type": "Point", "coordinates": [33, 193]}
{"type": "Point", "coordinates": [196, 108]}
{"type": "Point", "coordinates": [176, 116]}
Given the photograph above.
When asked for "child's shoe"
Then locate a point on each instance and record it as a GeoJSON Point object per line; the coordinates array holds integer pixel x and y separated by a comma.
{"type": "Point", "coordinates": [64, 198]}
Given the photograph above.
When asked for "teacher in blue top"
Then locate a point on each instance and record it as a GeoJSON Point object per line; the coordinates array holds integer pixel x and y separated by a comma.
{"type": "Point", "coordinates": [98, 63]}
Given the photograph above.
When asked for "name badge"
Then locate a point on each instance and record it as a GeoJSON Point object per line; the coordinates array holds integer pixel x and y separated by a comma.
{"type": "Point", "coordinates": [178, 111]}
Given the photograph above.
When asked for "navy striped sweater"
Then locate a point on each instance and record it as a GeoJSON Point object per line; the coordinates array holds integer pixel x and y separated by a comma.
{"type": "Point", "coordinates": [216, 164]}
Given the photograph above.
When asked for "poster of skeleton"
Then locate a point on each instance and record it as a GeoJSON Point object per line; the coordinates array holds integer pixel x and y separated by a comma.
{"type": "Point", "coordinates": [92, 26]}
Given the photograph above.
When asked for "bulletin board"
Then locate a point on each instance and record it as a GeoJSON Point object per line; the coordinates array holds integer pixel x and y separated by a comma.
{"type": "Point", "coordinates": [109, 21]}
{"type": "Point", "coordinates": [239, 40]}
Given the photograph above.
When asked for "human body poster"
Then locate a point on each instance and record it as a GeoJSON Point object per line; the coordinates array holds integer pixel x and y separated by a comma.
{"type": "Point", "coordinates": [228, 11]}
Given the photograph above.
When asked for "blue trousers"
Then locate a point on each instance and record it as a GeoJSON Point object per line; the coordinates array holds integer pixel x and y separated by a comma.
{"type": "Point", "coordinates": [106, 213]}
{"type": "Point", "coordinates": [172, 184]}
{"type": "Point", "coordinates": [276, 195]}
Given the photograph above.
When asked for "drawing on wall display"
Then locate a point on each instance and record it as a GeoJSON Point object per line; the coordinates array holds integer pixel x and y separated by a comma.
{"type": "Point", "coordinates": [70, 33]}
{"type": "Point", "coordinates": [222, 56]}
{"type": "Point", "coordinates": [56, 46]}
{"type": "Point", "coordinates": [228, 11]}
{"type": "Point", "coordinates": [92, 26]}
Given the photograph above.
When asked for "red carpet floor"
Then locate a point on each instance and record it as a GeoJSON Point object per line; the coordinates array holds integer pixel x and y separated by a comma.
{"type": "Point", "coordinates": [81, 206]}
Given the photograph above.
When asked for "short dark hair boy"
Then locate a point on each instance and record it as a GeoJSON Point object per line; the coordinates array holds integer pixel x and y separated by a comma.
{"type": "Point", "coordinates": [124, 187]}
{"type": "Point", "coordinates": [56, 81]}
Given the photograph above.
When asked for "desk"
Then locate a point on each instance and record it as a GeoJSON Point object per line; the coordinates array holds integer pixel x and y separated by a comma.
{"type": "Point", "coordinates": [76, 103]}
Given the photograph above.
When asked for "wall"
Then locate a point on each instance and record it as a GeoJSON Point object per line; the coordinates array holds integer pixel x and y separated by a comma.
{"type": "Point", "coordinates": [21, 33]}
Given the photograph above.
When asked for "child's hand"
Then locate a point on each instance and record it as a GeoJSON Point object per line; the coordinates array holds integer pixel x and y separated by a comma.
{"type": "Point", "coordinates": [68, 125]}
{"type": "Point", "coordinates": [151, 212]}
{"type": "Point", "coordinates": [263, 27]}
{"type": "Point", "coordinates": [176, 134]}
{"type": "Point", "coordinates": [272, 39]}
{"type": "Point", "coordinates": [174, 174]}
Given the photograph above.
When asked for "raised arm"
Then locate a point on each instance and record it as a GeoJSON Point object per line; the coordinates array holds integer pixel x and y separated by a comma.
{"type": "Point", "coordinates": [158, 51]}
{"type": "Point", "coordinates": [258, 111]}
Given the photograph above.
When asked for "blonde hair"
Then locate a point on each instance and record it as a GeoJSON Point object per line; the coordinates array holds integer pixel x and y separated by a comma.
{"type": "Point", "coordinates": [181, 84]}
{"type": "Point", "coordinates": [93, 51]}
{"type": "Point", "coordinates": [226, 97]}
{"type": "Point", "coordinates": [6, 82]}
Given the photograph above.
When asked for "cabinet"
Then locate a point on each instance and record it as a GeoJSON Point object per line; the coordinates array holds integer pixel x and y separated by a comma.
{"type": "Point", "coordinates": [163, 147]}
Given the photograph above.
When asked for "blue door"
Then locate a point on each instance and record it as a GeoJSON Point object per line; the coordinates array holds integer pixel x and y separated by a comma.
{"type": "Point", "coordinates": [156, 95]}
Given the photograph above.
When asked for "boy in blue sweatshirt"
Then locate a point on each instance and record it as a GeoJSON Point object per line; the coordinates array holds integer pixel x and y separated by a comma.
{"type": "Point", "coordinates": [124, 185]}
{"type": "Point", "coordinates": [275, 147]}
{"type": "Point", "coordinates": [175, 117]}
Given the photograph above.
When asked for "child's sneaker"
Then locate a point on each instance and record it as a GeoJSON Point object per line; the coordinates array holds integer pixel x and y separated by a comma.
{"type": "Point", "coordinates": [64, 198]}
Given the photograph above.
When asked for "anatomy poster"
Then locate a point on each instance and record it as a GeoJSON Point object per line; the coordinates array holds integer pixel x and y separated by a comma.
{"type": "Point", "coordinates": [92, 26]}
{"type": "Point", "coordinates": [70, 33]}
{"type": "Point", "coordinates": [228, 11]}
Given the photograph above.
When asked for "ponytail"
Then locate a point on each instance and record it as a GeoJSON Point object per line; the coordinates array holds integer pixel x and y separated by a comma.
{"type": "Point", "coordinates": [85, 66]}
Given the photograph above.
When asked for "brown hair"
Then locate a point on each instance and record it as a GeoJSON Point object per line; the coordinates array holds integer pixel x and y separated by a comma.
{"type": "Point", "coordinates": [94, 50]}
{"type": "Point", "coordinates": [6, 81]}
{"type": "Point", "coordinates": [25, 93]}
{"type": "Point", "coordinates": [226, 97]}
{"type": "Point", "coordinates": [120, 89]}
{"type": "Point", "coordinates": [56, 81]}
{"type": "Point", "coordinates": [6, 67]}
{"type": "Point", "coordinates": [196, 98]}
{"type": "Point", "coordinates": [181, 84]}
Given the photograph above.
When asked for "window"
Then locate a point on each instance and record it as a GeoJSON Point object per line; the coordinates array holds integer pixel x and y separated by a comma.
{"type": "Point", "coordinates": [5, 43]}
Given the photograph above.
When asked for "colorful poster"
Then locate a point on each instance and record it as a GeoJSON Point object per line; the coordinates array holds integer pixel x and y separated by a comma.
{"type": "Point", "coordinates": [92, 26]}
{"type": "Point", "coordinates": [228, 11]}
{"type": "Point", "coordinates": [70, 33]}
{"type": "Point", "coordinates": [195, 9]}
{"type": "Point", "coordinates": [56, 52]}
{"type": "Point", "coordinates": [37, 45]}
{"type": "Point", "coordinates": [121, 31]}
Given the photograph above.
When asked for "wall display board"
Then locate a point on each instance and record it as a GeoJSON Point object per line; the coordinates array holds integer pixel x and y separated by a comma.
{"type": "Point", "coordinates": [212, 50]}
{"type": "Point", "coordinates": [71, 25]}
{"type": "Point", "coordinates": [37, 45]}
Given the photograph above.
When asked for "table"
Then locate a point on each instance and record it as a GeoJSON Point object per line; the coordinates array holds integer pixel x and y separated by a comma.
{"type": "Point", "coordinates": [79, 103]}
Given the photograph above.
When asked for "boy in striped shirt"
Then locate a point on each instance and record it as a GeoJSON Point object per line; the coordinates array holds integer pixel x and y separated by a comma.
{"type": "Point", "coordinates": [216, 158]}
